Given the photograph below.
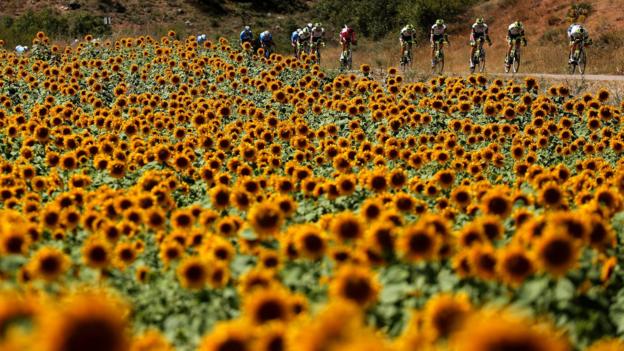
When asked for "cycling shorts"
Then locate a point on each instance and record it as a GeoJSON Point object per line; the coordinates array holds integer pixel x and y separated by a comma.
{"type": "Point", "coordinates": [438, 37]}
{"type": "Point", "coordinates": [512, 37]}
{"type": "Point", "coordinates": [407, 39]}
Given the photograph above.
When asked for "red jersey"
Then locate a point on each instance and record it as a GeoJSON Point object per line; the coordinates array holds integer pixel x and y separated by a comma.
{"type": "Point", "coordinates": [347, 35]}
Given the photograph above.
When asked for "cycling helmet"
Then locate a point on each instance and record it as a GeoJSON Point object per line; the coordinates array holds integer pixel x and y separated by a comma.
{"type": "Point", "coordinates": [518, 24]}
{"type": "Point", "coordinates": [310, 25]}
{"type": "Point", "coordinates": [317, 24]}
{"type": "Point", "coordinates": [247, 29]}
{"type": "Point", "coordinates": [480, 20]}
{"type": "Point", "coordinates": [439, 22]}
{"type": "Point", "coordinates": [305, 30]}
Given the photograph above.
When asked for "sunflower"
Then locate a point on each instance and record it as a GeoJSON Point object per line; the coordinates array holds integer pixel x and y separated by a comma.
{"type": "Point", "coordinates": [445, 314]}
{"type": "Point", "coordinates": [347, 227]}
{"type": "Point", "coordinates": [371, 209]}
{"type": "Point", "coordinates": [85, 321]}
{"type": "Point", "coordinates": [376, 181]}
{"type": "Point", "coordinates": [496, 202]}
{"type": "Point", "coordinates": [286, 204]}
{"type": "Point", "coordinates": [483, 261]}
{"type": "Point", "coordinates": [96, 253]}
{"type": "Point", "coordinates": [154, 218]}
{"type": "Point", "coordinates": [170, 250]}
{"type": "Point", "coordinates": [192, 273]}
{"type": "Point", "coordinates": [228, 336]}
{"type": "Point", "coordinates": [381, 238]}
{"type": "Point", "coordinates": [445, 178]}
{"type": "Point", "coordinates": [255, 279]}
{"type": "Point", "coordinates": [220, 197]}
{"type": "Point", "coordinates": [14, 240]}
{"type": "Point", "coordinates": [601, 233]}
{"type": "Point", "coordinates": [461, 196]}
{"type": "Point", "coordinates": [309, 240]}
{"type": "Point", "coordinates": [151, 340]}
{"type": "Point", "coordinates": [355, 284]}
{"type": "Point", "coordinates": [182, 219]}
{"type": "Point", "coordinates": [418, 242]}
{"type": "Point", "coordinates": [49, 263]}
{"type": "Point", "coordinates": [556, 252]}
{"type": "Point", "coordinates": [124, 255]}
{"type": "Point", "coordinates": [515, 264]}
{"type": "Point", "coordinates": [267, 305]}
{"type": "Point", "coordinates": [266, 218]}
{"type": "Point", "coordinates": [346, 184]}
{"type": "Point", "coordinates": [490, 330]}
{"type": "Point", "coordinates": [471, 234]}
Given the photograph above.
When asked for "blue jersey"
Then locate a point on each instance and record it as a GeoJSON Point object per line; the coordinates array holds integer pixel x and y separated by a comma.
{"type": "Point", "coordinates": [246, 35]}
{"type": "Point", "coordinates": [266, 37]}
{"type": "Point", "coordinates": [294, 37]}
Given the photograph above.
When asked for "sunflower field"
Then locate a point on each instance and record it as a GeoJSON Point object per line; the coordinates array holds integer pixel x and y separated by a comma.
{"type": "Point", "coordinates": [163, 195]}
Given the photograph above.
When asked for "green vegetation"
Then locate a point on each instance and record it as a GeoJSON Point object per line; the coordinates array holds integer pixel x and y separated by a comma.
{"type": "Point", "coordinates": [21, 29]}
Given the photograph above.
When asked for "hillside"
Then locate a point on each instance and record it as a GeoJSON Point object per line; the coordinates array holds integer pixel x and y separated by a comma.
{"type": "Point", "coordinates": [545, 22]}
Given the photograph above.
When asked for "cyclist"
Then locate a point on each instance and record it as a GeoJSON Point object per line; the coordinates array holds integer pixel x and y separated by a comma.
{"type": "Point", "coordinates": [317, 34]}
{"type": "Point", "coordinates": [304, 40]}
{"type": "Point", "coordinates": [407, 38]}
{"type": "Point", "coordinates": [201, 38]}
{"type": "Point", "coordinates": [576, 34]}
{"type": "Point", "coordinates": [438, 35]}
{"type": "Point", "coordinates": [515, 34]}
{"type": "Point", "coordinates": [246, 36]}
{"type": "Point", "coordinates": [21, 49]}
{"type": "Point", "coordinates": [294, 41]}
{"type": "Point", "coordinates": [266, 42]}
{"type": "Point", "coordinates": [479, 31]}
{"type": "Point", "coordinates": [347, 37]}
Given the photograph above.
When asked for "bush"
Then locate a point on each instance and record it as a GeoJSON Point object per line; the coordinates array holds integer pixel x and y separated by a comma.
{"type": "Point", "coordinates": [552, 36]}
{"type": "Point", "coordinates": [83, 24]}
{"type": "Point", "coordinates": [22, 29]}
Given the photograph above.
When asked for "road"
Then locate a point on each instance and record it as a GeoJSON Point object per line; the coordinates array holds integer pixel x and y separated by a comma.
{"type": "Point", "coordinates": [588, 77]}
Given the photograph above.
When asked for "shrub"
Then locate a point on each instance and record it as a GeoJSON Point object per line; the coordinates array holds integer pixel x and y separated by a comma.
{"type": "Point", "coordinates": [21, 30]}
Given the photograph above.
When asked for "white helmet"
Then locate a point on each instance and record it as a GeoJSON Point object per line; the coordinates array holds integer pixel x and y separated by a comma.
{"type": "Point", "coordinates": [310, 25]}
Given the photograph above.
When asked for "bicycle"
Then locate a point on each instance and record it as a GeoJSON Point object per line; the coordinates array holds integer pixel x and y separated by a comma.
{"type": "Point", "coordinates": [303, 47]}
{"type": "Point", "coordinates": [268, 50]}
{"type": "Point", "coordinates": [579, 58]}
{"type": "Point", "coordinates": [438, 57]}
{"type": "Point", "coordinates": [478, 59]}
{"type": "Point", "coordinates": [406, 58]}
{"type": "Point", "coordinates": [346, 59]}
{"type": "Point", "coordinates": [316, 50]}
{"type": "Point", "coordinates": [513, 60]}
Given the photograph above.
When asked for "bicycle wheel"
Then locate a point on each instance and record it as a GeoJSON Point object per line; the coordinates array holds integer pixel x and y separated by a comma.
{"type": "Point", "coordinates": [439, 65]}
{"type": "Point", "coordinates": [516, 62]}
{"type": "Point", "coordinates": [482, 62]}
{"type": "Point", "coordinates": [582, 62]}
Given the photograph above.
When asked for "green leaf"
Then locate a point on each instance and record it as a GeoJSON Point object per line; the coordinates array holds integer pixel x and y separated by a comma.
{"type": "Point", "coordinates": [534, 289]}
{"type": "Point", "coordinates": [564, 290]}
{"type": "Point", "coordinates": [393, 293]}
